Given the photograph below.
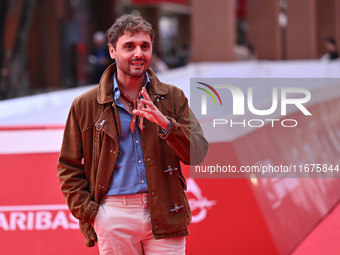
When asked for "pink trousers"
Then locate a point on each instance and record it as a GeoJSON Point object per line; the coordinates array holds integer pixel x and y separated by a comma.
{"type": "Point", "coordinates": [123, 227]}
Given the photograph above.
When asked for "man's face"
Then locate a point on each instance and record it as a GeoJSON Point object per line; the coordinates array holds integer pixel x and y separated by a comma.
{"type": "Point", "coordinates": [132, 54]}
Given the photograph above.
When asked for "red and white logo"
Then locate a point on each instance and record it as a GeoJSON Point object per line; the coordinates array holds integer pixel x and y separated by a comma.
{"type": "Point", "coordinates": [198, 203]}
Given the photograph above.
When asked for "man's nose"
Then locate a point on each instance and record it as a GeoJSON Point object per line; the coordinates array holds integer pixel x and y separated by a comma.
{"type": "Point", "coordinates": [138, 52]}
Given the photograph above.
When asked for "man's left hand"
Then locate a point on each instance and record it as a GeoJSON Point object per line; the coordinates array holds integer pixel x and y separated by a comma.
{"type": "Point", "coordinates": [151, 112]}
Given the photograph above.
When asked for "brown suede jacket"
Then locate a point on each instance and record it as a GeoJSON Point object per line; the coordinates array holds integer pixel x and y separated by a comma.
{"type": "Point", "coordinates": [90, 149]}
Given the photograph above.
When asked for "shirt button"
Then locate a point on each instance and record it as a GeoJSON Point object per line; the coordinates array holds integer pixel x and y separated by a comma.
{"type": "Point", "coordinates": [142, 181]}
{"type": "Point", "coordinates": [148, 160]}
{"type": "Point", "coordinates": [136, 141]}
{"type": "Point", "coordinates": [156, 227]}
{"type": "Point", "coordinates": [153, 193]}
{"type": "Point", "coordinates": [139, 161]}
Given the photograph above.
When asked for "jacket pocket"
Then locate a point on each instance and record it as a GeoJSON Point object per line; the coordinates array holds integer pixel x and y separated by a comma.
{"type": "Point", "coordinates": [182, 180]}
{"type": "Point", "coordinates": [184, 198]}
{"type": "Point", "coordinates": [187, 209]}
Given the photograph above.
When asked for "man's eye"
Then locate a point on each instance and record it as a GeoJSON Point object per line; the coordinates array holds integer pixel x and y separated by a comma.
{"type": "Point", "coordinates": [145, 47]}
{"type": "Point", "coordinates": [129, 47]}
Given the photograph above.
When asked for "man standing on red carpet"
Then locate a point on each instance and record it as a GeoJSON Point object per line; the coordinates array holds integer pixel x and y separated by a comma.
{"type": "Point", "coordinates": [119, 165]}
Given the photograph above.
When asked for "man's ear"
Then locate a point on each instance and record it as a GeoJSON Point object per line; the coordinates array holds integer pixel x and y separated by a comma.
{"type": "Point", "coordinates": [112, 51]}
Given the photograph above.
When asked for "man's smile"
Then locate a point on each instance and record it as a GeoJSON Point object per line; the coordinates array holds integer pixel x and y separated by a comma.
{"type": "Point", "coordinates": [137, 63]}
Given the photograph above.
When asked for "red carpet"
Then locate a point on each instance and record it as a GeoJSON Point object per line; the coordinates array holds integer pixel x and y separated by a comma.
{"type": "Point", "coordinates": [325, 237]}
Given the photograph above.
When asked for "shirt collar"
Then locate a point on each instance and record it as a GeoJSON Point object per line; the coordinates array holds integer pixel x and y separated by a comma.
{"type": "Point", "coordinates": [116, 91]}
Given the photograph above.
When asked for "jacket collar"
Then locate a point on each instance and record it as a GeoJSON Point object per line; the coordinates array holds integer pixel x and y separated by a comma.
{"type": "Point", "coordinates": [105, 92]}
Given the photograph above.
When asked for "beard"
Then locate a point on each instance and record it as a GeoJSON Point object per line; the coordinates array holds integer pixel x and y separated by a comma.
{"type": "Point", "coordinates": [134, 68]}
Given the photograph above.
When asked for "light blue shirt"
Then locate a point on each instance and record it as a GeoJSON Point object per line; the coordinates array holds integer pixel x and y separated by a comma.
{"type": "Point", "coordinates": [129, 176]}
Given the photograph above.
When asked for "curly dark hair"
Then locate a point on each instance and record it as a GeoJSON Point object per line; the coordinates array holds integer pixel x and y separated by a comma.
{"type": "Point", "coordinates": [129, 23]}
